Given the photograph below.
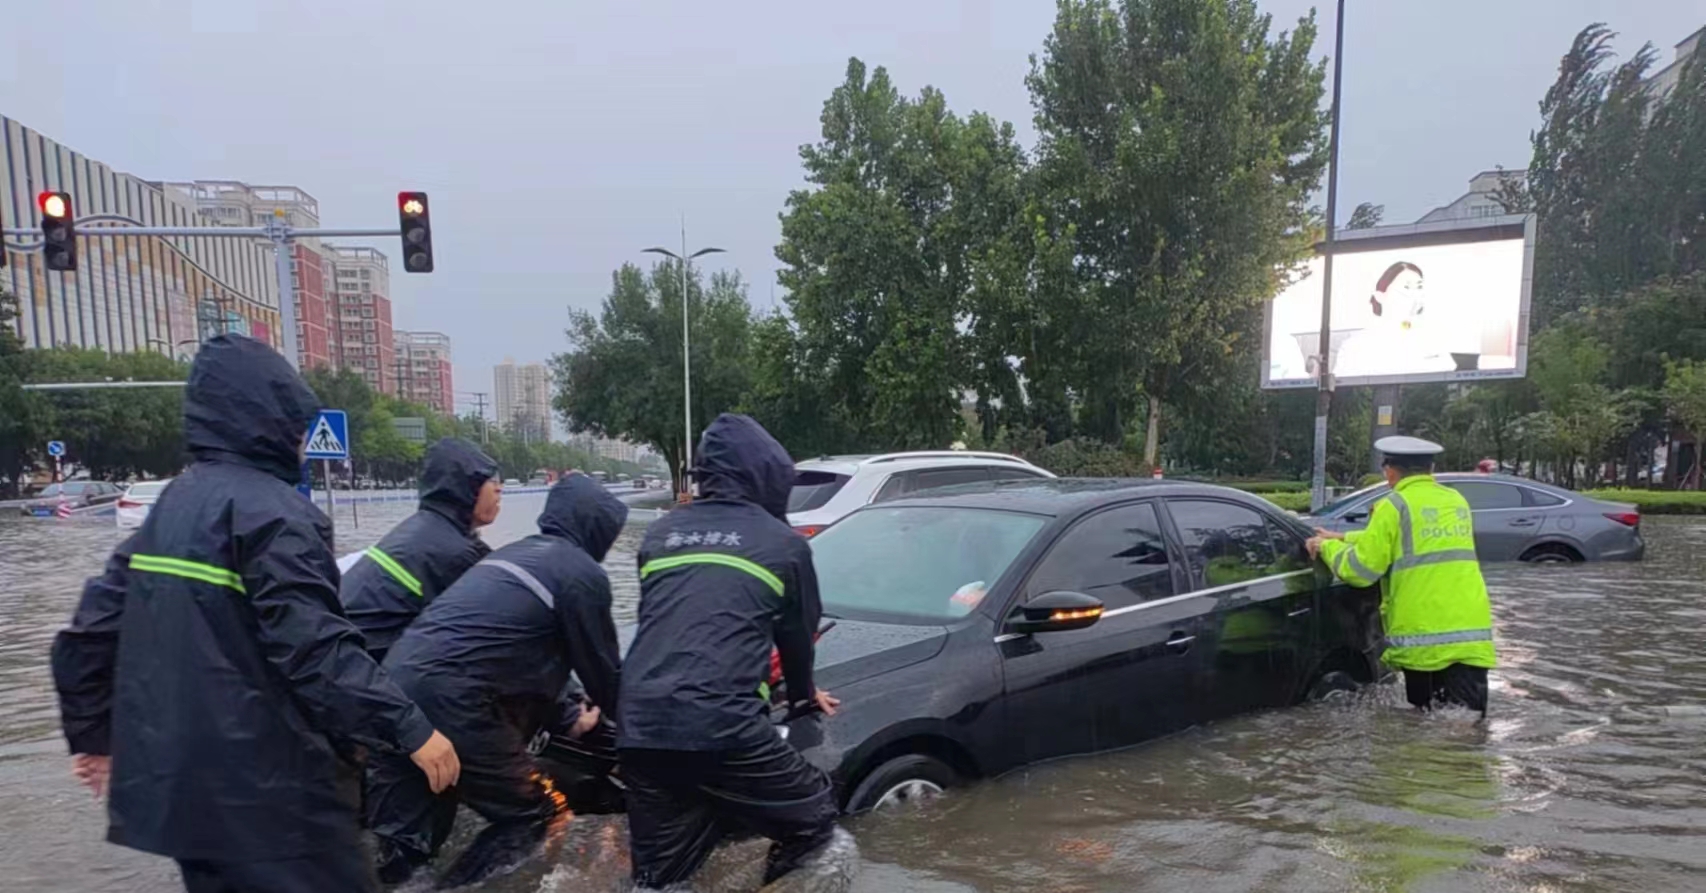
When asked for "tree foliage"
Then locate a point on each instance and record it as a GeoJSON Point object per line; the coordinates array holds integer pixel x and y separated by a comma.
{"type": "Point", "coordinates": [1180, 142]}
{"type": "Point", "coordinates": [622, 374]}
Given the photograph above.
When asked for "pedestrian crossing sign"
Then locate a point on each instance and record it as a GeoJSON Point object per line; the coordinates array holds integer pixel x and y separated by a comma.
{"type": "Point", "coordinates": [329, 437]}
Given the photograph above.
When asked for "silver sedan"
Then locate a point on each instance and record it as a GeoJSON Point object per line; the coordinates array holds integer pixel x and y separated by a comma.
{"type": "Point", "coordinates": [1519, 520]}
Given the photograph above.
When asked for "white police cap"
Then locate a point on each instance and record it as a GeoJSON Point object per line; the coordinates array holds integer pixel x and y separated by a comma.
{"type": "Point", "coordinates": [1408, 447]}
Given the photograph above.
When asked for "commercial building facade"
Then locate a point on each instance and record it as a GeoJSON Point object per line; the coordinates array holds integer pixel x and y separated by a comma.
{"type": "Point", "coordinates": [424, 370]}
{"type": "Point", "coordinates": [233, 203]}
{"type": "Point", "coordinates": [129, 293]}
{"type": "Point", "coordinates": [523, 397]}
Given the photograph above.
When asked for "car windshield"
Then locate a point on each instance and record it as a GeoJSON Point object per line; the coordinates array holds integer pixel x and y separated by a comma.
{"type": "Point", "coordinates": [52, 490]}
{"type": "Point", "coordinates": [147, 488]}
{"type": "Point", "coordinates": [1344, 502]}
{"type": "Point", "coordinates": [918, 564]}
{"type": "Point", "coordinates": [74, 488]}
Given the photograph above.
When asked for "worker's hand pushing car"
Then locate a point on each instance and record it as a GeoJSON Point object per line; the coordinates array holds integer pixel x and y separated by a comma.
{"type": "Point", "coordinates": [437, 758]}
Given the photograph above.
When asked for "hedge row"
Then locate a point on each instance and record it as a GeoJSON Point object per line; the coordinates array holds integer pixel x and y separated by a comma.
{"type": "Point", "coordinates": [1648, 502]}
{"type": "Point", "coordinates": [1657, 502]}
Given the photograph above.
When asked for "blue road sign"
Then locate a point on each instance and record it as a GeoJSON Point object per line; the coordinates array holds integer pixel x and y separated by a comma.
{"type": "Point", "coordinates": [56, 448]}
{"type": "Point", "coordinates": [329, 438]}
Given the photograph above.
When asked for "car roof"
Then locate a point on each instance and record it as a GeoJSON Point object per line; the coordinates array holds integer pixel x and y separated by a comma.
{"type": "Point", "coordinates": [1060, 497]}
{"type": "Point", "coordinates": [850, 465]}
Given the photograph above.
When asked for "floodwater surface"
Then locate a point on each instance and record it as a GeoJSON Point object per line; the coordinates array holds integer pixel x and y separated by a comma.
{"type": "Point", "coordinates": [1589, 775]}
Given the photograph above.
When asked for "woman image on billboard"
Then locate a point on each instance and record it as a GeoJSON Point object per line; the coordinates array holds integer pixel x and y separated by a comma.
{"type": "Point", "coordinates": [1399, 341]}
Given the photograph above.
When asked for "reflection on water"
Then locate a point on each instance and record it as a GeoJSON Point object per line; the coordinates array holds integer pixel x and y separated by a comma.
{"type": "Point", "coordinates": [1579, 781]}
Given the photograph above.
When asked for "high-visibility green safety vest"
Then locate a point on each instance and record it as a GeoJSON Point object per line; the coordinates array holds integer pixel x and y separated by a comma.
{"type": "Point", "coordinates": [1420, 544]}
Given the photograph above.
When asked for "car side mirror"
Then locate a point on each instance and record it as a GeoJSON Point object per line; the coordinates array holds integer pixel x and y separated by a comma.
{"type": "Point", "coordinates": [1054, 612]}
{"type": "Point", "coordinates": [1357, 517]}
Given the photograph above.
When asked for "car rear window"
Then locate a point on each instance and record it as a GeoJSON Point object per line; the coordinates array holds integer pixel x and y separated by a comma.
{"type": "Point", "coordinates": [814, 489]}
{"type": "Point", "coordinates": [918, 564]}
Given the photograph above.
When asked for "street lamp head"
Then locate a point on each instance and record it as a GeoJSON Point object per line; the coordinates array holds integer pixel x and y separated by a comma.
{"type": "Point", "coordinates": [704, 251]}
{"type": "Point", "coordinates": [663, 251]}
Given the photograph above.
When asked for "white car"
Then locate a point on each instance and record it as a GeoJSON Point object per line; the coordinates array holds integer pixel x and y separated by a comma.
{"type": "Point", "coordinates": [133, 506]}
{"type": "Point", "coordinates": [827, 489]}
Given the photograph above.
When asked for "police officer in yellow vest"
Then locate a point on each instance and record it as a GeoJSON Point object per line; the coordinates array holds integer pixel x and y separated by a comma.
{"type": "Point", "coordinates": [1420, 546]}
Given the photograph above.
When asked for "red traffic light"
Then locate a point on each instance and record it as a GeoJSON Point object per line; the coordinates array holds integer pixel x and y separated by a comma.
{"type": "Point", "coordinates": [415, 224]}
{"type": "Point", "coordinates": [54, 204]}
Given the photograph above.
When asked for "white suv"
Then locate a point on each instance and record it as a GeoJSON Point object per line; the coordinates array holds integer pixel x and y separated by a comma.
{"type": "Point", "coordinates": [826, 489]}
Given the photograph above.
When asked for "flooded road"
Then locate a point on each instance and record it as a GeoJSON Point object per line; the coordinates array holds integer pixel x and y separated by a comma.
{"type": "Point", "coordinates": [1582, 780]}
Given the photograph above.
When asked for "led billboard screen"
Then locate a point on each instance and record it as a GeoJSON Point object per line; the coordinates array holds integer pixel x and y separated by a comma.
{"type": "Point", "coordinates": [1439, 302]}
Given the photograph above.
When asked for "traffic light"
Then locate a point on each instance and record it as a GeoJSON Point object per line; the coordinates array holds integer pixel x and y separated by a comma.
{"type": "Point", "coordinates": [58, 233]}
{"type": "Point", "coordinates": [417, 231]}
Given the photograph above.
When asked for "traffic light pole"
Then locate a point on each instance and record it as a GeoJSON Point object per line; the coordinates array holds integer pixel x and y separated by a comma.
{"type": "Point", "coordinates": [279, 232]}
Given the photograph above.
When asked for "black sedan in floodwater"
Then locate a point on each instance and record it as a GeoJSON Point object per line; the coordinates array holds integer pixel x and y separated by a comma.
{"type": "Point", "coordinates": [973, 630]}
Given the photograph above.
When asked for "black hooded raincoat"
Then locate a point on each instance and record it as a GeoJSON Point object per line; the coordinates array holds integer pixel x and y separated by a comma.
{"type": "Point", "coordinates": [421, 557]}
{"type": "Point", "coordinates": [212, 660]}
{"type": "Point", "coordinates": [490, 659]}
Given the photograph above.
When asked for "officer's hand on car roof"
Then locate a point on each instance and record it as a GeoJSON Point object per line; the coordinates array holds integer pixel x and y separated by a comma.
{"type": "Point", "coordinates": [437, 758]}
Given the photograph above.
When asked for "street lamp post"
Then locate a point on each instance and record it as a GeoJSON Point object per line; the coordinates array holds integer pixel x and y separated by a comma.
{"type": "Point", "coordinates": [686, 353]}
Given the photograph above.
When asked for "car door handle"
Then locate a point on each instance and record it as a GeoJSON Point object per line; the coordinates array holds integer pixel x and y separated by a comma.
{"type": "Point", "coordinates": [1522, 522]}
{"type": "Point", "coordinates": [1298, 613]}
{"type": "Point", "coordinates": [1180, 643]}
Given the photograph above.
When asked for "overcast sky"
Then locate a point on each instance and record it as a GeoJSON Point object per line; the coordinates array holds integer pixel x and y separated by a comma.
{"type": "Point", "coordinates": [559, 138]}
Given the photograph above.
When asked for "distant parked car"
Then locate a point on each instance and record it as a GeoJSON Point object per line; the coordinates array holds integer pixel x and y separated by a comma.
{"type": "Point", "coordinates": [134, 505]}
{"type": "Point", "coordinates": [1517, 519]}
{"type": "Point", "coordinates": [511, 482]}
{"type": "Point", "coordinates": [78, 494]}
{"type": "Point", "coordinates": [827, 489]}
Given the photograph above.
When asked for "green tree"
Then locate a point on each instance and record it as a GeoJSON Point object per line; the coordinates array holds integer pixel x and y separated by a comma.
{"type": "Point", "coordinates": [23, 414]}
{"type": "Point", "coordinates": [1685, 397]}
{"type": "Point", "coordinates": [622, 375]}
{"type": "Point", "coordinates": [112, 433]}
{"type": "Point", "coordinates": [1181, 142]}
{"type": "Point", "coordinates": [1366, 216]}
{"type": "Point", "coordinates": [902, 262]}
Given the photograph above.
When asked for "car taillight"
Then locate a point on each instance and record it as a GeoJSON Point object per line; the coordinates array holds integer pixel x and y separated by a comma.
{"type": "Point", "coordinates": [808, 530]}
{"type": "Point", "coordinates": [1627, 519]}
{"type": "Point", "coordinates": [127, 504]}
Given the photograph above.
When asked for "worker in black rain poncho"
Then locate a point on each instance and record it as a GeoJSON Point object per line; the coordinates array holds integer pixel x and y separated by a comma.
{"type": "Point", "coordinates": [421, 557]}
{"type": "Point", "coordinates": [209, 674]}
{"type": "Point", "coordinates": [721, 579]}
{"type": "Point", "coordinates": [489, 661]}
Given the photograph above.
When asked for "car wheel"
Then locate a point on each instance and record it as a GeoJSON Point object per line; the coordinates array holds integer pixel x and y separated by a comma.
{"type": "Point", "coordinates": [1551, 554]}
{"type": "Point", "coordinates": [1336, 683]}
{"type": "Point", "coordinates": [904, 780]}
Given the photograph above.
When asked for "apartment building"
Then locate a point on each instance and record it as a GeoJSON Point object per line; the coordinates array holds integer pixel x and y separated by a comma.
{"type": "Point", "coordinates": [424, 370]}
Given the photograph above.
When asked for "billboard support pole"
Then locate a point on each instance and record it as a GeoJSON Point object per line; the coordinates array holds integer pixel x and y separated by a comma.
{"type": "Point", "coordinates": [1385, 421]}
{"type": "Point", "coordinates": [1324, 393]}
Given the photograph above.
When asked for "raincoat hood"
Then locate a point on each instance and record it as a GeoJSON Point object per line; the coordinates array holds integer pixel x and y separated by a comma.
{"type": "Point", "coordinates": [451, 479]}
{"type": "Point", "coordinates": [581, 510]}
{"type": "Point", "coordinates": [244, 403]}
{"type": "Point", "coordinates": [739, 460]}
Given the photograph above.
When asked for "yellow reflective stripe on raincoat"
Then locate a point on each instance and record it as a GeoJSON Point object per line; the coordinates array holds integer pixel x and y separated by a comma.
{"type": "Point", "coordinates": [189, 570]}
{"type": "Point", "coordinates": [396, 570]}
{"type": "Point", "coordinates": [717, 558]}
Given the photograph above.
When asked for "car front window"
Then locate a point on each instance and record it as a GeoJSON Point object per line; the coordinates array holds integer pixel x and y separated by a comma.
{"type": "Point", "coordinates": [1338, 506]}
{"type": "Point", "coordinates": [918, 564]}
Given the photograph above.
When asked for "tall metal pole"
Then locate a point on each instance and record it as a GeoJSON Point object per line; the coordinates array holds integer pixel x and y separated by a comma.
{"type": "Point", "coordinates": [1324, 394]}
{"type": "Point", "coordinates": [279, 231]}
{"type": "Point", "coordinates": [686, 373]}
